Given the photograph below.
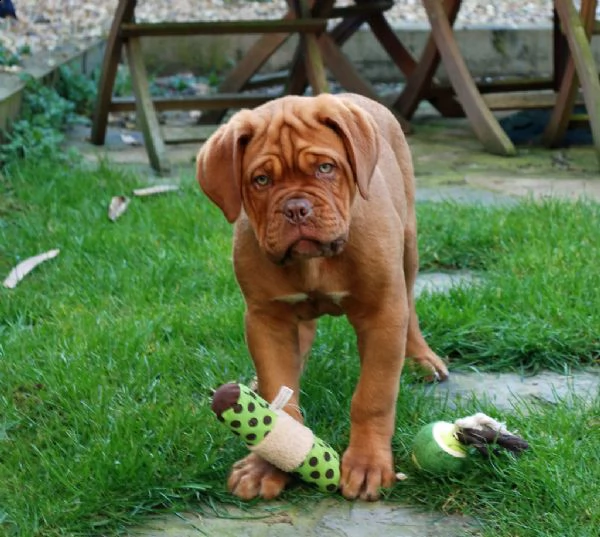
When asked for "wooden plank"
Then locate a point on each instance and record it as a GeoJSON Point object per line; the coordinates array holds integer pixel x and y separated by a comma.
{"type": "Point", "coordinates": [568, 86]}
{"type": "Point", "coordinates": [301, 67]}
{"type": "Point", "coordinates": [313, 62]}
{"type": "Point", "coordinates": [238, 78]}
{"type": "Point", "coordinates": [485, 125]}
{"type": "Point", "coordinates": [421, 75]}
{"type": "Point", "coordinates": [145, 112]}
{"type": "Point", "coordinates": [361, 9]}
{"type": "Point", "coordinates": [217, 101]}
{"type": "Point", "coordinates": [445, 103]}
{"type": "Point", "coordinates": [165, 29]}
{"type": "Point", "coordinates": [112, 56]}
{"type": "Point", "coordinates": [346, 28]}
{"type": "Point", "coordinates": [508, 85]}
{"type": "Point", "coordinates": [391, 44]}
{"type": "Point", "coordinates": [585, 65]}
{"type": "Point", "coordinates": [560, 51]}
{"type": "Point", "coordinates": [520, 100]}
{"type": "Point", "coordinates": [348, 76]}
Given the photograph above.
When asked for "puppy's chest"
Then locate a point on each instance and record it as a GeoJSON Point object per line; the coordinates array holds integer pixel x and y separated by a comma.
{"type": "Point", "coordinates": [314, 304]}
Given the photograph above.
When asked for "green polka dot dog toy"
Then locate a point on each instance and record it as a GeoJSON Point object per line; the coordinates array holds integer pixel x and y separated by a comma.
{"type": "Point", "coordinates": [442, 448]}
{"type": "Point", "coordinates": [277, 437]}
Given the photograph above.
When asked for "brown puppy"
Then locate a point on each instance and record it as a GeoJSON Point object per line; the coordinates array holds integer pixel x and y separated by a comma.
{"type": "Point", "coordinates": [321, 190]}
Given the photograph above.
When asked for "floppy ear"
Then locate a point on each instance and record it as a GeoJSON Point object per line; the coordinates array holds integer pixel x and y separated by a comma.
{"type": "Point", "coordinates": [358, 130]}
{"type": "Point", "coordinates": [219, 165]}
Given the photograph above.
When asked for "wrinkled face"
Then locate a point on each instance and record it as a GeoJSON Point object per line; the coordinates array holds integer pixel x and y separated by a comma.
{"type": "Point", "coordinates": [295, 165]}
{"type": "Point", "coordinates": [297, 188]}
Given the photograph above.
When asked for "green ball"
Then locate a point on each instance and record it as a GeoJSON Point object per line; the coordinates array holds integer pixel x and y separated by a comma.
{"type": "Point", "coordinates": [437, 450]}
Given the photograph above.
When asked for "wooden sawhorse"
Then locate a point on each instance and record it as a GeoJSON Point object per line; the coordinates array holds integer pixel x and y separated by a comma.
{"type": "Point", "coordinates": [317, 49]}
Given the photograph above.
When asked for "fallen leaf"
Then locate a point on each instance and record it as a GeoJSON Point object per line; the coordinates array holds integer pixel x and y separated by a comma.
{"type": "Point", "coordinates": [25, 267]}
{"type": "Point", "coordinates": [152, 190]}
{"type": "Point", "coordinates": [118, 205]}
{"type": "Point", "coordinates": [130, 140]}
{"type": "Point", "coordinates": [11, 68]}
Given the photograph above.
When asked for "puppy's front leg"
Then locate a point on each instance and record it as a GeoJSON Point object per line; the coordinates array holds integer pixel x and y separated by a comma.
{"type": "Point", "coordinates": [274, 346]}
{"type": "Point", "coordinates": [367, 464]}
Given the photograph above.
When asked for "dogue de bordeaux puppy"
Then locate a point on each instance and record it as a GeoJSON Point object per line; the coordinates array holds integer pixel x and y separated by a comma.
{"type": "Point", "coordinates": [321, 190]}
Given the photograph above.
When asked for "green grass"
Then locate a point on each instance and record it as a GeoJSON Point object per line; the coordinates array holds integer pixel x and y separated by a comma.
{"type": "Point", "coordinates": [538, 305]}
{"type": "Point", "coordinates": [108, 354]}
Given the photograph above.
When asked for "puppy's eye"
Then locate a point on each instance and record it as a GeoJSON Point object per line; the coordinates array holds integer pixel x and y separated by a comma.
{"type": "Point", "coordinates": [326, 168]}
{"type": "Point", "coordinates": [261, 181]}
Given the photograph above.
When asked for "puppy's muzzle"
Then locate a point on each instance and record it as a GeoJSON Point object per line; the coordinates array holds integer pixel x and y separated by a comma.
{"type": "Point", "coordinates": [297, 210]}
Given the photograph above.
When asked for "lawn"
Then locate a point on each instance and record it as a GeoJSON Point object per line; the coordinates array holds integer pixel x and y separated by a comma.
{"type": "Point", "coordinates": [108, 354]}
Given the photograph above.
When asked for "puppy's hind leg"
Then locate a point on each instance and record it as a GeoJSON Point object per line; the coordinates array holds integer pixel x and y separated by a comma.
{"type": "Point", "coordinates": [418, 352]}
{"type": "Point", "coordinates": [306, 335]}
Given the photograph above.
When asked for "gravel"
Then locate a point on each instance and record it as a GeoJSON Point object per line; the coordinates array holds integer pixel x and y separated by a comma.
{"type": "Point", "coordinates": [44, 25]}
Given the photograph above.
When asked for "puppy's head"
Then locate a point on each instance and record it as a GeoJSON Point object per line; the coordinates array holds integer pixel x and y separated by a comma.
{"type": "Point", "coordinates": [294, 166]}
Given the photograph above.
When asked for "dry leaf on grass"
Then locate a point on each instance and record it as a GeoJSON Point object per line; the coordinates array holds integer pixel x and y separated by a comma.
{"type": "Point", "coordinates": [130, 140]}
{"type": "Point", "coordinates": [118, 205]}
{"type": "Point", "coordinates": [152, 190]}
{"type": "Point", "coordinates": [25, 267]}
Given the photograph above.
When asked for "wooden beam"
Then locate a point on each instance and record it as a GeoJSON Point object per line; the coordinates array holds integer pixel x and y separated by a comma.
{"type": "Point", "coordinates": [585, 65]}
{"type": "Point", "coordinates": [568, 86]}
{"type": "Point", "coordinates": [483, 122]}
{"type": "Point", "coordinates": [209, 102]}
{"type": "Point", "coordinates": [145, 111]}
{"type": "Point", "coordinates": [163, 29]}
{"type": "Point", "coordinates": [360, 9]}
{"type": "Point", "coordinates": [110, 63]}
{"type": "Point", "coordinates": [521, 100]}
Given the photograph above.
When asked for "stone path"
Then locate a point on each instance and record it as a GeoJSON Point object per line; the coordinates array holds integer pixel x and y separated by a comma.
{"type": "Point", "coordinates": [330, 518]}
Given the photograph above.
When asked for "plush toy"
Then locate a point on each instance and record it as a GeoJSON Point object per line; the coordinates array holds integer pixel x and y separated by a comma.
{"type": "Point", "coordinates": [442, 447]}
{"type": "Point", "coordinates": [277, 437]}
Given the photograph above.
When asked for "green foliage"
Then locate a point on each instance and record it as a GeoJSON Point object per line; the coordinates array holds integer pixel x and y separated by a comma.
{"type": "Point", "coordinates": [45, 112]}
{"type": "Point", "coordinates": [38, 132]}
{"type": "Point", "coordinates": [8, 58]}
{"type": "Point", "coordinates": [77, 88]}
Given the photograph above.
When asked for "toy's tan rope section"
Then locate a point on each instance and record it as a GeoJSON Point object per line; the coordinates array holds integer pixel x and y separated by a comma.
{"type": "Point", "coordinates": [289, 442]}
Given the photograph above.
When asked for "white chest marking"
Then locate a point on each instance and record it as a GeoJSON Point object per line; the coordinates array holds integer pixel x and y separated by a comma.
{"type": "Point", "coordinates": [336, 297]}
{"type": "Point", "coordinates": [292, 299]}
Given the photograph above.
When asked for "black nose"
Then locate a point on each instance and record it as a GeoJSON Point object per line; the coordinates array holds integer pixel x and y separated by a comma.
{"type": "Point", "coordinates": [297, 210]}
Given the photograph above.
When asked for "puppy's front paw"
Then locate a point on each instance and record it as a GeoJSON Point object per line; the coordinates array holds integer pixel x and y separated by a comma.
{"type": "Point", "coordinates": [365, 472]}
{"type": "Point", "coordinates": [252, 476]}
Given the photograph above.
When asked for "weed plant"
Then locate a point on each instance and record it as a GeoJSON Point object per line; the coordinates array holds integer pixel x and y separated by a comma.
{"type": "Point", "coordinates": [45, 113]}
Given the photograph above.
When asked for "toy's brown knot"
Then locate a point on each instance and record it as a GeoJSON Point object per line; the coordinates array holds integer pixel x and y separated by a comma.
{"type": "Point", "coordinates": [224, 398]}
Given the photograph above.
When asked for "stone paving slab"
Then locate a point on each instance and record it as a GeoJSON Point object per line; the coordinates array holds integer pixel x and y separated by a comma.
{"type": "Point", "coordinates": [330, 518]}
{"type": "Point", "coordinates": [442, 282]}
{"type": "Point", "coordinates": [538, 187]}
{"type": "Point", "coordinates": [510, 390]}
